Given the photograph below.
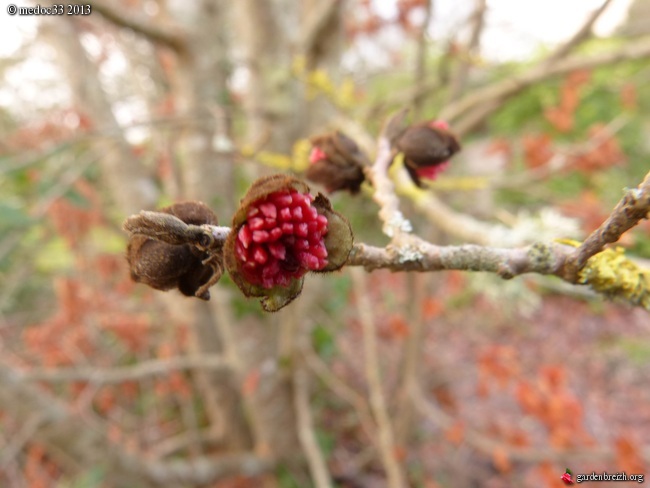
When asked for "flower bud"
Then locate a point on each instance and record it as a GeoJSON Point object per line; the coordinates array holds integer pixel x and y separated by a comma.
{"type": "Point", "coordinates": [177, 258]}
{"type": "Point", "coordinates": [279, 233]}
{"type": "Point", "coordinates": [427, 148]}
{"type": "Point", "coordinates": [336, 163]}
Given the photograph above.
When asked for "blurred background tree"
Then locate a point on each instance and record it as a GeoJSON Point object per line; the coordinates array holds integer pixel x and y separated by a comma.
{"type": "Point", "coordinates": [432, 380]}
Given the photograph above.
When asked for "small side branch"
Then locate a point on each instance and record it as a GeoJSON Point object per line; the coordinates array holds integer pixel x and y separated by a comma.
{"type": "Point", "coordinates": [389, 212]}
{"type": "Point", "coordinates": [630, 210]}
{"type": "Point", "coordinates": [395, 224]}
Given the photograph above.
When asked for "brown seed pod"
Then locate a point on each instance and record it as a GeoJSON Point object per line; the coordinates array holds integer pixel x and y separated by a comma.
{"type": "Point", "coordinates": [170, 249]}
{"type": "Point", "coordinates": [279, 233]}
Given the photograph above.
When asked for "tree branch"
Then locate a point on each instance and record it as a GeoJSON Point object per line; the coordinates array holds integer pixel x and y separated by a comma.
{"type": "Point", "coordinates": [546, 259]}
{"type": "Point", "coordinates": [173, 38]}
{"type": "Point", "coordinates": [496, 94]}
{"type": "Point", "coordinates": [407, 252]}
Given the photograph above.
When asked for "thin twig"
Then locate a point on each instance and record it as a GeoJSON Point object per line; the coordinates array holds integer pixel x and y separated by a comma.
{"type": "Point", "coordinates": [125, 373]}
{"type": "Point", "coordinates": [306, 434]}
{"type": "Point", "coordinates": [373, 376]}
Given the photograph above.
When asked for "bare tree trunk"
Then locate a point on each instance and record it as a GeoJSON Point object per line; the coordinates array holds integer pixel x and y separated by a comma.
{"type": "Point", "coordinates": [207, 162]}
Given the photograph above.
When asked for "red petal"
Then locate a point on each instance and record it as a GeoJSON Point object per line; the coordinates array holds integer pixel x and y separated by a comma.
{"type": "Point", "coordinates": [301, 245]}
{"type": "Point", "coordinates": [256, 223]}
{"type": "Point", "coordinates": [302, 230]}
{"type": "Point", "coordinates": [260, 236]}
{"type": "Point", "coordinates": [307, 260]}
{"type": "Point", "coordinates": [319, 251]}
{"type": "Point", "coordinates": [281, 199]}
{"type": "Point", "coordinates": [260, 255]}
{"type": "Point", "coordinates": [245, 236]}
{"type": "Point", "coordinates": [277, 250]}
{"type": "Point", "coordinates": [312, 213]}
{"type": "Point", "coordinates": [269, 210]}
{"type": "Point", "coordinates": [321, 219]}
{"type": "Point", "coordinates": [240, 252]}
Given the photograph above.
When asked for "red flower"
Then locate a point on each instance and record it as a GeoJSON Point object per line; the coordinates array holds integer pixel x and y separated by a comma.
{"type": "Point", "coordinates": [279, 234]}
{"type": "Point", "coordinates": [281, 239]}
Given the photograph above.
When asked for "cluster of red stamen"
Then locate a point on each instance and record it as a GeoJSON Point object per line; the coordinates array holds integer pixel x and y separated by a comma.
{"type": "Point", "coordinates": [281, 239]}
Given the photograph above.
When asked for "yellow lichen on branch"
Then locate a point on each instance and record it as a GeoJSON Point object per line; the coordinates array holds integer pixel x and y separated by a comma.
{"type": "Point", "coordinates": [611, 273]}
